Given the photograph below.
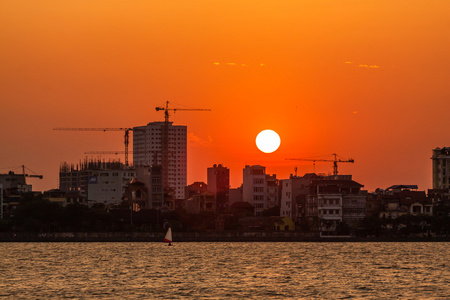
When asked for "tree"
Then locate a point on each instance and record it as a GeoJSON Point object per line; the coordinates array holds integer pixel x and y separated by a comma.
{"type": "Point", "coordinates": [271, 212]}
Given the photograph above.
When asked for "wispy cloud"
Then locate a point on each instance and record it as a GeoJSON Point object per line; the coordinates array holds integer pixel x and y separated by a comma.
{"type": "Point", "coordinates": [197, 141]}
{"type": "Point", "coordinates": [369, 66]}
{"type": "Point", "coordinates": [236, 64]}
{"type": "Point", "coordinates": [362, 65]}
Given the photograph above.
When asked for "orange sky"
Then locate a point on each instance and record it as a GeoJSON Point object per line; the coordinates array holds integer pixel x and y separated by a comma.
{"type": "Point", "coordinates": [368, 80]}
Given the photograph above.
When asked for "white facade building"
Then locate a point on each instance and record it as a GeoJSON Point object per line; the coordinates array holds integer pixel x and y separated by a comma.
{"type": "Point", "coordinates": [293, 195]}
{"type": "Point", "coordinates": [287, 197]}
{"type": "Point", "coordinates": [254, 187]}
{"type": "Point", "coordinates": [108, 186]}
{"type": "Point", "coordinates": [148, 150]}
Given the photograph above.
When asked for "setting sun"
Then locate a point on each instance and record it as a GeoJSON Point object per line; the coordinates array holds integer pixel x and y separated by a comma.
{"type": "Point", "coordinates": [268, 141]}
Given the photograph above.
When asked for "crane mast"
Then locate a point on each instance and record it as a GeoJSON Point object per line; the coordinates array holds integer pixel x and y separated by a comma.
{"type": "Point", "coordinates": [165, 138]}
{"type": "Point", "coordinates": [166, 110]}
{"type": "Point", "coordinates": [30, 175]}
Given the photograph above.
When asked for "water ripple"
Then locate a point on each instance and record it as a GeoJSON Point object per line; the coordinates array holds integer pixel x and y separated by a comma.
{"type": "Point", "coordinates": [225, 270]}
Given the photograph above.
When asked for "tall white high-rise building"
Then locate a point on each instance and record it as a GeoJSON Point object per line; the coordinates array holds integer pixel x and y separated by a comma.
{"type": "Point", "coordinates": [165, 145]}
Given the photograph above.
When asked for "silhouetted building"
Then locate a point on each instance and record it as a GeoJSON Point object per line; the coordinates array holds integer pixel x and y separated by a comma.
{"type": "Point", "coordinates": [272, 194]}
{"type": "Point", "coordinates": [400, 200]}
{"type": "Point", "coordinates": [332, 202]}
{"type": "Point", "coordinates": [203, 202]}
{"type": "Point", "coordinates": [136, 195]}
{"type": "Point", "coordinates": [373, 203]}
{"type": "Point", "coordinates": [56, 196]}
{"type": "Point", "coordinates": [441, 201]}
{"type": "Point", "coordinates": [218, 179]}
{"type": "Point", "coordinates": [293, 195]}
{"type": "Point", "coordinates": [441, 168]}
{"type": "Point", "coordinates": [12, 180]}
{"type": "Point", "coordinates": [152, 178]}
{"type": "Point", "coordinates": [235, 195]}
{"type": "Point", "coordinates": [12, 189]}
{"type": "Point", "coordinates": [195, 188]}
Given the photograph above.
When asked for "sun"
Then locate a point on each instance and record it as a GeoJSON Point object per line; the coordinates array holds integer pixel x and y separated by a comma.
{"type": "Point", "coordinates": [268, 141]}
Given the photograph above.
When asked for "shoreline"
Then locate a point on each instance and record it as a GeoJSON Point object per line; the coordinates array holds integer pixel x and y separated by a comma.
{"type": "Point", "coordinates": [157, 237]}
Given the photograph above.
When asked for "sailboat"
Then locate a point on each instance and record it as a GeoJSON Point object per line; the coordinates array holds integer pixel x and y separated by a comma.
{"type": "Point", "coordinates": [168, 237]}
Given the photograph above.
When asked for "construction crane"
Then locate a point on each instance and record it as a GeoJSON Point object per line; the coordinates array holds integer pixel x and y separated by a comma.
{"type": "Point", "coordinates": [126, 136]}
{"type": "Point", "coordinates": [165, 138]}
{"type": "Point", "coordinates": [335, 161]}
{"type": "Point", "coordinates": [30, 175]}
{"type": "Point", "coordinates": [167, 109]}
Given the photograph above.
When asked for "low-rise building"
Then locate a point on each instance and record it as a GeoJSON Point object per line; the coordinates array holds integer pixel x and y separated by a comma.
{"type": "Point", "coordinates": [203, 202]}
{"type": "Point", "coordinates": [56, 196]}
{"type": "Point", "coordinates": [136, 195]}
{"type": "Point", "coordinates": [403, 199]}
{"type": "Point", "coordinates": [12, 180]}
{"type": "Point", "coordinates": [151, 177]}
{"type": "Point", "coordinates": [293, 195]}
{"type": "Point", "coordinates": [260, 189]}
{"type": "Point", "coordinates": [332, 202]}
{"type": "Point", "coordinates": [101, 181]}
{"type": "Point", "coordinates": [235, 195]}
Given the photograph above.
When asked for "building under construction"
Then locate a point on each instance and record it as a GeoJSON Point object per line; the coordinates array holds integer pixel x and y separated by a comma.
{"type": "Point", "coordinates": [106, 182]}
{"type": "Point", "coordinates": [98, 181]}
{"type": "Point", "coordinates": [74, 177]}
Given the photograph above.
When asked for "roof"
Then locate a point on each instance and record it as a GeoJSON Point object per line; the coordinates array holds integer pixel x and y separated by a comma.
{"type": "Point", "coordinates": [135, 182]}
{"type": "Point", "coordinates": [407, 197]}
{"type": "Point", "coordinates": [403, 186]}
{"type": "Point", "coordinates": [347, 183]}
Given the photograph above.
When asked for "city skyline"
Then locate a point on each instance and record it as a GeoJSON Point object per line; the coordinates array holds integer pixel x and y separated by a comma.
{"type": "Point", "coordinates": [367, 81]}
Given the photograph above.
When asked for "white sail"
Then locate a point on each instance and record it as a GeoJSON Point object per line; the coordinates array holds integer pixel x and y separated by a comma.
{"type": "Point", "coordinates": [168, 237]}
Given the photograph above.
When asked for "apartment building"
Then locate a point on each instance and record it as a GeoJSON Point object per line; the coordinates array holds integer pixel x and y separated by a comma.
{"type": "Point", "coordinates": [218, 180]}
{"type": "Point", "coordinates": [163, 144]}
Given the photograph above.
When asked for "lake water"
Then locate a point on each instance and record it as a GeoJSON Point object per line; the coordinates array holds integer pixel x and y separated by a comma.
{"type": "Point", "coordinates": [225, 270]}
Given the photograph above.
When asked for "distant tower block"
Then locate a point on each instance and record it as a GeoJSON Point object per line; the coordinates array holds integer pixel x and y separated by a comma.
{"type": "Point", "coordinates": [149, 148]}
{"type": "Point", "coordinates": [219, 184]}
{"type": "Point", "coordinates": [441, 168]}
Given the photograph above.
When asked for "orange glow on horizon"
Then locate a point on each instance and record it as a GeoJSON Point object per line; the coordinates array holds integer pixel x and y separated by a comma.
{"type": "Point", "coordinates": [367, 80]}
